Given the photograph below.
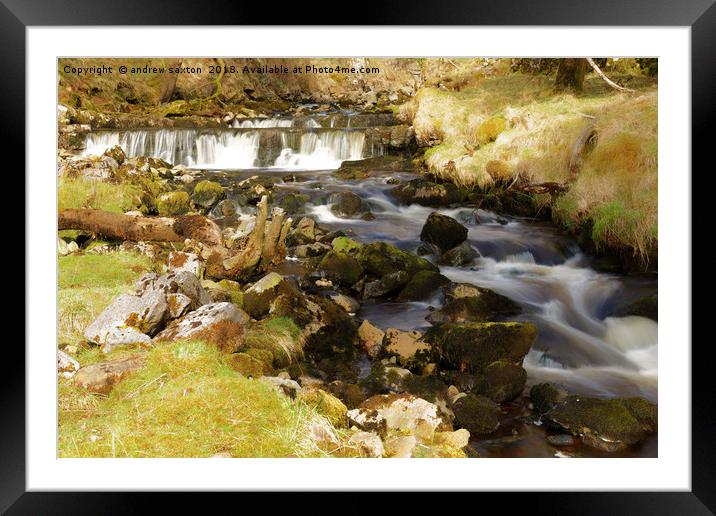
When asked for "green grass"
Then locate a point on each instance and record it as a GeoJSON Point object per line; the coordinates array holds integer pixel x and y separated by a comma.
{"type": "Point", "coordinates": [87, 283]}
{"type": "Point", "coordinates": [84, 193]}
{"type": "Point", "coordinates": [617, 186]}
{"type": "Point", "coordinates": [186, 402]}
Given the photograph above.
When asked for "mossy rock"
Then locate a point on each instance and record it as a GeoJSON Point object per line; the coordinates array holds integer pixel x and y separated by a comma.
{"type": "Point", "coordinates": [606, 424]}
{"type": "Point", "coordinates": [647, 306]}
{"type": "Point", "coordinates": [427, 193]}
{"type": "Point", "coordinates": [258, 297]}
{"type": "Point", "coordinates": [490, 129]}
{"type": "Point", "coordinates": [499, 170]}
{"type": "Point", "coordinates": [502, 381]}
{"type": "Point", "coordinates": [477, 414]}
{"type": "Point", "coordinates": [474, 346]}
{"type": "Point", "coordinates": [293, 203]}
{"type": "Point", "coordinates": [171, 204]}
{"type": "Point", "coordinates": [338, 336]}
{"type": "Point", "coordinates": [427, 387]}
{"type": "Point", "coordinates": [341, 268]}
{"type": "Point", "coordinates": [422, 285]}
{"type": "Point", "coordinates": [246, 365]}
{"type": "Point", "coordinates": [206, 195]}
{"type": "Point", "coordinates": [443, 231]}
{"type": "Point", "coordinates": [482, 308]}
{"type": "Point", "coordinates": [265, 356]}
{"type": "Point", "coordinates": [545, 396]}
{"type": "Point", "coordinates": [345, 245]}
{"type": "Point", "coordinates": [230, 289]}
{"type": "Point", "coordinates": [381, 259]}
{"type": "Point", "coordinates": [327, 404]}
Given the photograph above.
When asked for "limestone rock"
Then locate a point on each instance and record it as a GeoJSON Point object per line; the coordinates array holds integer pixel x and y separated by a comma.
{"type": "Point", "coordinates": [202, 318]}
{"type": "Point", "coordinates": [66, 365]}
{"type": "Point", "coordinates": [368, 443]}
{"type": "Point", "coordinates": [371, 338]}
{"type": "Point", "coordinates": [103, 376]}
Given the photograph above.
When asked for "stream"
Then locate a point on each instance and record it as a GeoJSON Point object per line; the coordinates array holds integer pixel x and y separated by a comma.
{"type": "Point", "coordinates": [531, 262]}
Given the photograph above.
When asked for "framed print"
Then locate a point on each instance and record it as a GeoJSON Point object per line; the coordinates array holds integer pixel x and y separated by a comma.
{"type": "Point", "coordinates": [364, 258]}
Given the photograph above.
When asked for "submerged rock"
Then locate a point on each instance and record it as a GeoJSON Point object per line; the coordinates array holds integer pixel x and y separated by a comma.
{"type": "Point", "coordinates": [349, 205]}
{"type": "Point", "coordinates": [443, 231]}
{"type": "Point", "coordinates": [545, 397]}
{"type": "Point", "coordinates": [459, 255]}
{"type": "Point", "coordinates": [647, 306]}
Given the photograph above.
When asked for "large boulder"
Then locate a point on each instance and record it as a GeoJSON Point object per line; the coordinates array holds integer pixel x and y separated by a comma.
{"type": "Point", "coordinates": [501, 381]}
{"type": "Point", "coordinates": [443, 232]}
{"type": "Point", "coordinates": [459, 255]}
{"type": "Point", "coordinates": [407, 346]}
{"type": "Point", "coordinates": [170, 204]}
{"type": "Point", "coordinates": [606, 424]}
{"type": "Point", "coordinates": [401, 412]}
{"type": "Point", "coordinates": [202, 319]}
{"type": "Point", "coordinates": [259, 296]}
{"type": "Point", "coordinates": [422, 286]}
{"type": "Point", "coordinates": [381, 259]}
{"type": "Point", "coordinates": [103, 376]}
{"type": "Point", "coordinates": [206, 195]}
{"type": "Point", "coordinates": [474, 346]}
{"type": "Point", "coordinates": [478, 414]}
{"type": "Point", "coordinates": [427, 193]}
{"type": "Point", "coordinates": [128, 320]}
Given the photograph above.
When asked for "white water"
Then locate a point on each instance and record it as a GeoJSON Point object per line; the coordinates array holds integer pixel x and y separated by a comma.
{"type": "Point", "coordinates": [300, 149]}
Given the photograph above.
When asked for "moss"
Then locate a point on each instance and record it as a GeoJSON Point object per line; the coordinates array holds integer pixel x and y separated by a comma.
{"type": "Point", "coordinates": [490, 129]}
{"type": "Point", "coordinates": [173, 203]}
{"type": "Point", "coordinates": [499, 170]}
{"type": "Point", "coordinates": [280, 336]}
{"type": "Point", "coordinates": [231, 288]}
{"type": "Point", "coordinates": [502, 381]}
{"type": "Point", "coordinates": [345, 245]}
{"type": "Point", "coordinates": [381, 259]}
{"type": "Point", "coordinates": [246, 365]}
{"type": "Point", "coordinates": [477, 414]}
{"type": "Point", "coordinates": [474, 346]}
{"type": "Point", "coordinates": [264, 356]}
{"type": "Point", "coordinates": [327, 404]}
{"type": "Point", "coordinates": [207, 194]}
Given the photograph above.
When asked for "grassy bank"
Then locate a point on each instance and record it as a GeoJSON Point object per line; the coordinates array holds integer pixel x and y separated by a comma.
{"type": "Point", "coordinates": [515, 125]}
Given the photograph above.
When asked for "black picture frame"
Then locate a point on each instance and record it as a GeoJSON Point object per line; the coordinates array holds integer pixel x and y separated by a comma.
{"type": "Point", "coordinates": [699, 15]}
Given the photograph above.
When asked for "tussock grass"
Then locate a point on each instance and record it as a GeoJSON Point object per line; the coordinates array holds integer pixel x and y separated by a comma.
{"type": "Point", "coordinates": [186, 402]}
{"type": "Point", "coordinates": [616, 190]}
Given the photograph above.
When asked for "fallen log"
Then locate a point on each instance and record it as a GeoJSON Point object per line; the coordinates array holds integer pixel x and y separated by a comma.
{"type": "Point", "coordinates": [263, 247]}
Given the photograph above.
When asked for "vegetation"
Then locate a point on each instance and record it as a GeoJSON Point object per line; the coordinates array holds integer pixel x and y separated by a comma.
{"type": "Point", "coordinates": [85, 193]}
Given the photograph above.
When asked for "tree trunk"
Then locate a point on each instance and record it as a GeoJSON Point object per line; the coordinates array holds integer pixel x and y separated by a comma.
{"type": "Point", "coordinates": [169, 81]}
{"type": "Point", "coordinates": [570, 74]}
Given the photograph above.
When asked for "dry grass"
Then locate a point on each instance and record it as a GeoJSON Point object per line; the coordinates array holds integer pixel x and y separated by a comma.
{"type": "Point", "coordinates": [617, 187]}
{"type": "Point", "coordinates": [85, 193]}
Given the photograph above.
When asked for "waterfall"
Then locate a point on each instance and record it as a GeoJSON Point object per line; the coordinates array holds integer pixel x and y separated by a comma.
{"type": "Point", "coordinates": [266, 143]}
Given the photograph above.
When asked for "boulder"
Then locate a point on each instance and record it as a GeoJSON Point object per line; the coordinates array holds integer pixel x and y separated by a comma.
{"type": "Point", "coordinates": [459, 255]}
{"type": "Point", "coordinates": [286, 386]}
{"type": "Point", "coordinates": [341, 268]}
{"type": "Point", "coordinates": [178, 304]}
{"type": "Point", "coordinates": [128, 320]}
{"type": "Point", "coordinates": [381, 259]}
{"type": "Point", "coordinates": [502, 381]}
{"type": "Point", "coordinates": [230, 291]}
{"type": "Point", "coordinates": [348, 304]}
{"type": "Point", "coordinates": [179, 261]}
{"type": "Point", "coordinates": [474, 346]}
{"type": "Point", "coordinates": [427, 193]}
{"type": "Point", "coordinates": [182, 282]}
{"type": "Point", "coordinates": [116, 153]}
{"type": "Point", "coordinates": [206, 195]}
{"type": "Point", "coordinates": [368, 444]}
{"type": "Point", "coordinates": [202, 319]}
{"type": "Point", "coordinates": [422, 286]}
{"type": "Point", "coordinates": [293, 203]}
{"type": "Point", "coordinates": [310, 250]}
{"type": "Point", "coordinates": [606, 424]}
{"type": "Point", "coordinates": [486, 306]}
{"type": "Point", "coordinates": [392, 282]}
{"type": "Point", "coordinates": [403, 412]}
{"type": "Point", "coordinates": [350, 206]}
{"type": "Point", "coordinates": [443, 231]}
{"type": "Point", "coordinates": [371, 338]}
{"type": "Point", "coordinates": [400, 446]}
{"type": "Point", "coordinates": [367, 419]}
{"type": "Point", "coordinates": [259, 296]}
{"type": "Point", "coordinates": [103, 376]}
{"type": "Point", "coordinates": [327, 404]}
{"type": "Point", "coordinates": [345, 245]}
{"type": "Point", "coordinates": [647, 306]}
{"type": "Point", "coordinates": [407, 346]}
{"type": "Point", "coordinates": [477, 414]}
{"type": "Point", "coordinates": [545, 397]}
{"type": "Point", "coordinates": [303, 233]}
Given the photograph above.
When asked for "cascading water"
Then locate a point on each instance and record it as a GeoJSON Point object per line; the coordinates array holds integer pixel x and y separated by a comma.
{"type": "Point", "coordinates": [263, 143]}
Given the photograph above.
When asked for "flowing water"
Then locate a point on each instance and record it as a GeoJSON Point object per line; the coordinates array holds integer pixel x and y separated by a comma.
{"type": "Point", "coordinates": [534, 264]}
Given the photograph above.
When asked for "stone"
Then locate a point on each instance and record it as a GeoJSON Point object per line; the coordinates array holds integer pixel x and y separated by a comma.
{"type": "Point", "coordinates": [304, 232]}
{"type": "Point", "coordinates": [327, 404]}
{"type": "Point", "coordinates": [502, 381]}
{"type": "Point", "coordinates": [371, 338]}
{"type": "Point", "coordinates": [341, 268]}
{"type": "Point", "coordinates": [310, 250]}
{"type": "Point", "coordinates": [179, 261]}
{"type": "Point", "coordinates": [103, 376]}
{"type": "Point", "coordinates": [422, 286]}
{"type": "Point", "coordinates": [66, 365]}
{"type": "Point", "coordinates": [457, 439]}
{"type": "Point", "coordinates": [561, 440]}
{"type": "Point", "coordinates": [486, 306]}
{"type": "Point", "coordinates": [349, 205]}
{"type": "Point", "coordinates": [477, 414]}
{"type": "Point", "coordinates": [427, 193]}
{"type": "Point", "coordinates": [62, 248]}
{"type": "Point", "coordinates": [369, 444]}
{"type": "Point", "coordinates": [286, 386]}
{"type": "Point", "coordinates": [72, 247]}
{"type": "Point", "coordinates": [460, 255]}
{"type": "Point", "coordinates": [128, 320]}
{"type": "Point", "coordinates": [607, 424]}
{"type": "Point", "coordinates": [545, 397]}
{"type": "Point", "coordinates": [319, 431]}
{"type": "Point", "coordinates": [345, 245]}
{"type": "Point", "coordinates": [182, 282]}
{"type": "Point", "coordinates": [178, 304]}
{"type": "Point", "coordinates": [403, 412]}
{"type": "Point", "coordinates": [473, 346]}
{"type": "Point", "coordinates": [206, 195]}
{"type": "Point", "coordinates": [367, 419]}
{"type": "Point", "coordinates": [381, 259]}
{"type": "Point", "coordinates": [348, 304]}
{"type": "Point", "coordinates": [229, 289]}
{"type": "Point", "coordinates": [443, 232]}
{"type": "Point", "coordinates": [400, 446]}
{"type": "Point", "coordinates": [116, 153]}
{"type": "Point", "coordinates": [200, 319]}
{"type": "Point", "coordinates": [407, 346]}
{"type": "Point", "coordinates": [258, 297]}
{"type": "Point", "coordinates": [647, 306]}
